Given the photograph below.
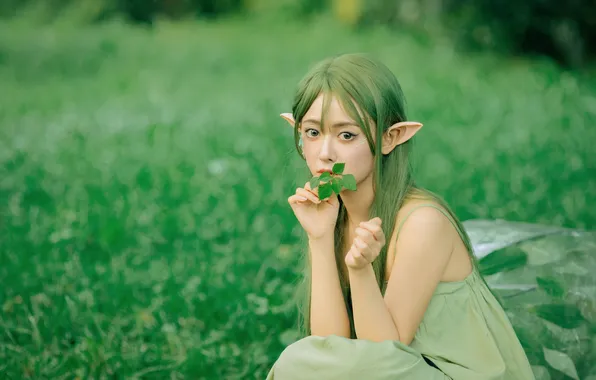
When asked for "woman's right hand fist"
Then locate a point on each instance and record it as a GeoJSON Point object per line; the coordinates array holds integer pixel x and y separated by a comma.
{"type": "Point", "coordinates": [317, 217]}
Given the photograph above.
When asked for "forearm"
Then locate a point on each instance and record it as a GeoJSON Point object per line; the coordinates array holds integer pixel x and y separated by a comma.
{"type": "Point", "coordinates": [328, 314]}
{"type": "Point", "coordinates": [372, 319]}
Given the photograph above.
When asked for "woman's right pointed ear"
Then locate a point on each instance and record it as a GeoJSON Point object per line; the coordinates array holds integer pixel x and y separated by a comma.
{"type": "Point", "coordinates": [289, 118]}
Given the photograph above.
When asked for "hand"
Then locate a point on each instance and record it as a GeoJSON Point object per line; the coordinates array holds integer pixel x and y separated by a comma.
{"type": "Point", "coordinates": [317, 217]}
{"type": "Point", "coordinates": [367, 245]}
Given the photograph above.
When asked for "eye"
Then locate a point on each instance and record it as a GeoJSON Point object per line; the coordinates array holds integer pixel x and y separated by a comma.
{"type": "Point", "coordinates": [310, 130]}
{"type": "Point", "coordinates": [350, 136]}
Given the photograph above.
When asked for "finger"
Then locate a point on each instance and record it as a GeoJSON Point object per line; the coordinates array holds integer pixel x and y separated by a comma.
{"type": "Point", "coordinates": [372, 224]}
{"type": "Point", "coordinates": [360, 244]}
{"type": "Point", "coordinates": [295, 199]}
{"type": "Point", "coordinates": [356, 254]}
{"type": "Point", "coordinates": [308, 188]}
{"type": "Point", "coordinates": [375, 229]}
{"type": "Point", "coordinates": [332, 200]}
{"type": "Point", "coordinates": [307, 194]}
{"type": "Point", "coordinates": [364, 250]}
{"type": "Point", "coordinates": [349, 259]}
{"type": "Point", "coordinates": [372, 231]}
{"type": "Point", "coordinates": [354, 259]}
{"type": "Point", "coordinates": [365, 235]}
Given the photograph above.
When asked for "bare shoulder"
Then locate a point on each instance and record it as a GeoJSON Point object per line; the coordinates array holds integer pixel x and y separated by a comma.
{"type": "Point", "coordinates": [424, 246]}
{"type": "Point", "coordinates": [425, 220]}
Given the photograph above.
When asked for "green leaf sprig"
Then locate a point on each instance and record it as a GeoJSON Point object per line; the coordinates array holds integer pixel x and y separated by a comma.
{"type": "Point", "coordinates": [328, 183]}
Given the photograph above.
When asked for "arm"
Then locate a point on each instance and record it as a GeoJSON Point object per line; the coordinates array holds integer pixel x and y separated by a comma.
{"type": "Point", "coordinates": [372, 319]}
{"type": "Point", "coordinates": [328, 314]}
{"type": "Point", "coordinates": [424, 249]}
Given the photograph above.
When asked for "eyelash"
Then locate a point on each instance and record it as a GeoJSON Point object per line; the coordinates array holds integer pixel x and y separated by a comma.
{"type": "Point", "coordinates": [348, 133]}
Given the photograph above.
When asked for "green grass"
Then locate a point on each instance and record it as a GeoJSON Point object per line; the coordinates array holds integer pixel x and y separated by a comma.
{"type": "Point", "coordinates": [144, 225]}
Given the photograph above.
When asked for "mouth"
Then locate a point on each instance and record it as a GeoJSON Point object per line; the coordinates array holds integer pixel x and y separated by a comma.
{"type": "Point", "coordinates": [325, 170]}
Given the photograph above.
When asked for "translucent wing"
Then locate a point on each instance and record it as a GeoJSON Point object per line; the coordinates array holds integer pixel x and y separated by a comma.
{"type": "Point", "coordinates": [545, 278]}
{"type": "Point", "coordinates": [490, 235]}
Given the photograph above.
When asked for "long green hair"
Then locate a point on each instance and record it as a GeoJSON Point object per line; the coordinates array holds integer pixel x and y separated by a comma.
{"type": "Point", "coordinates": [357, 78]}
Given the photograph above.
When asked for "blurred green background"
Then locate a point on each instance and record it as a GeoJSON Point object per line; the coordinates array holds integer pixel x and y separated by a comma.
{"type": "Point", "coordinates": [144, 170]}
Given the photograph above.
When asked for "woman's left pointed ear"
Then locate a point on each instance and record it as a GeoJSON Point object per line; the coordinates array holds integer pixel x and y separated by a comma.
{"type": "Point", "coordinates": [399, 133]}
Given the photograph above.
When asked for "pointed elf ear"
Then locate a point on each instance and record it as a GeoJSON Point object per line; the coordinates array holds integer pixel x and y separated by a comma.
{"type": "Point", "coordinates": [289, 118]}
{"type": "Point", "coordinates": [398, 134]}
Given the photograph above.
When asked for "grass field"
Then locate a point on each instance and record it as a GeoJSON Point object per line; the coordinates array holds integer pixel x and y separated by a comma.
{"type": "Point", "coordinates": [144, 226]}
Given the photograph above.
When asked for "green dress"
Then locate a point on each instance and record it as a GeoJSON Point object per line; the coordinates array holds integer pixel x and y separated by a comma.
{"type": "Point", "coordinates": [465, 333]}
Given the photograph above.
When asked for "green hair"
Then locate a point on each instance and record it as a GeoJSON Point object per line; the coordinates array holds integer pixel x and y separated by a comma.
{"type": "Point", "coordinates": [359, 79]}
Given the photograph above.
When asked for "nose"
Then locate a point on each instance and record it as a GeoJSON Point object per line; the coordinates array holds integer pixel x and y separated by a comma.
{"type": "Point", "coordinates": [327, 152]}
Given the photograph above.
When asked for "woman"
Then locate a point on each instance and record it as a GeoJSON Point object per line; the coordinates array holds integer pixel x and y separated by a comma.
{"type": "Point", "coordinates": [392, 288]}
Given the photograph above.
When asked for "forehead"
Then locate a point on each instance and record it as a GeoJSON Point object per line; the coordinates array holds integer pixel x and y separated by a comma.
{"type": "Point", "coordinates": [334, 111]}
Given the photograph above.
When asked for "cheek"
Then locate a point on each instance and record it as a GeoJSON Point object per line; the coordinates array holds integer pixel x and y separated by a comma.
{"type": "Point", "coordinates": [363, 164]}
{"type": "Point", "coordinates": [361, 158]}
{"type": "Point", "coordinates": [311, 158]}
{"type": "Point", "coordinates": [308, 152]}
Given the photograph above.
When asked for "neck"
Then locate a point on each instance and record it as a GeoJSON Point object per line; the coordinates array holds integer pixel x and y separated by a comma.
{"type": "Point", "coordinates": [358, 203]}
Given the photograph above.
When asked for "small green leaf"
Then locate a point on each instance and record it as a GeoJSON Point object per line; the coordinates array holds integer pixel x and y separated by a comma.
{"type": "Point", "coordinates": [325, 191]}
{"type": "Point", "coordinates": [314, 182]}
{"type": "Point", "coordinates": [325, 176]}
{"type": "Point", "coordinates": [551, 286]}
{"type": "Point", "coordinates": [336, 184]}
{"type": "Point", "coordinates": [502, 261]}
{"type": "Point", "coordinates": [349, 182]}
{"type": "Point", "coordinates": [561, 362]}
{"type": "Point", "coordinates": [566, 316]}
{"type": "Point", "coordinates": [338, 168]}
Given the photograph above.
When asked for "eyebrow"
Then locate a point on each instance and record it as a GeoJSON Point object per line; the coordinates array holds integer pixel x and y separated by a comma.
{"type": "Point", "coordinates": [336, 125]}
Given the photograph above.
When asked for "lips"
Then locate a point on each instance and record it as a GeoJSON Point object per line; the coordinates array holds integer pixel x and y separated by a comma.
{"type": "Point", "coordinates": [325, 170]}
